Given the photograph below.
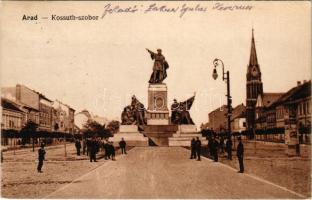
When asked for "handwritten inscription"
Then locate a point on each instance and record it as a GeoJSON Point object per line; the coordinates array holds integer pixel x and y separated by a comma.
{"type": "Point", "coordinates": [181, 10]}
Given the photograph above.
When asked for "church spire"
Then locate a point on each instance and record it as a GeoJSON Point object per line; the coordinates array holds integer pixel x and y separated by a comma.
{"type": "Point", "coordinates": [253, 61]}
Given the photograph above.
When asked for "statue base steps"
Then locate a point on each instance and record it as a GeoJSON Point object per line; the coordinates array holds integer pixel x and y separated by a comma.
{"type": "Point", "coordinates": [159, 134]}
{"type": "Point", "coordinates": [184, 135]}
{"type": "Point", "coordinates": [131, 135]}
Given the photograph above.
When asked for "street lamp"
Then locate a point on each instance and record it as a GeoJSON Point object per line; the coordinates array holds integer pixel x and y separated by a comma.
{"type": "Point", "coordinates": [226, 78]}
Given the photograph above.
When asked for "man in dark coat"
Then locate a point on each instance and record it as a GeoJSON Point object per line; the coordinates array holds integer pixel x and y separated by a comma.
{"type": "Point", "coordinates": [41, 155]}
{"type": "Point", "coordinates": [122, 145]}
{"type": "Point", "coordinates": [112, 150]}
{"type": "Point", "coordinates": [228, 147]}
{"type": "Point", "coordinates": [92, 150]}
{"type": "Point", "coordinates": [215, 145]}
{"type": "Point", "coordinates": [193, 149]}
{"type": "Point", "coordinates": [198, 148]}
{"type": "Point", "coordinates": [240, 155]}
{"type": "Point", "coordinates": [221, 145]}
{"type": "Point", "coordinates": [78, 146]}
{"type": "Point", "coordinates": [107, 152]}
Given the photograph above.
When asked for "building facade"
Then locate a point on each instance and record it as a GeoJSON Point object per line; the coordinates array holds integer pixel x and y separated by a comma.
{"type": "Point", "coordinates": [13, 116]}
{"type": "Point", "coordinates": [63, 117]}
{"type": "Point", "coordinates": [45, 113]}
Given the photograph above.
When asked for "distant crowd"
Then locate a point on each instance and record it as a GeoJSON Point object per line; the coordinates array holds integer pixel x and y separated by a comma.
{"type": "Point", "coordinates": [92, 146]}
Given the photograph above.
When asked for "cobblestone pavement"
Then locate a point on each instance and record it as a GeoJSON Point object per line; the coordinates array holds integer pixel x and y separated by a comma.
{"type": "Point", "coordinates": [162, 172]}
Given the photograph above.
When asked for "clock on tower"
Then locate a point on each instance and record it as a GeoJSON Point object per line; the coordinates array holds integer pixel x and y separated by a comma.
{"type": "Point", "coordinates": [254, 71]}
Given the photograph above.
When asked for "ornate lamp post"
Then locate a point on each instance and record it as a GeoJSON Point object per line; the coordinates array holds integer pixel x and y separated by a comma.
{"type": "Point", "coordinates": [226, 78]}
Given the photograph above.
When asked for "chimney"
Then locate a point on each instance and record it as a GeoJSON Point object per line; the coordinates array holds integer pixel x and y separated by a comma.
{"type": "Point", "coordinates": [298, 83]}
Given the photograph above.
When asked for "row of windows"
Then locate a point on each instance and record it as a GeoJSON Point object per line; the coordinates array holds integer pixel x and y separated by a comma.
{"type": "Point", "coordinates": [11, 122]}
{"type": "Point", "coordinates": [304, 108]}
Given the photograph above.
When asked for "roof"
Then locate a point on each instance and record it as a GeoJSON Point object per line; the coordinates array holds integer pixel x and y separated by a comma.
{"type": "Point", "coordinates": [253, 60]}
{"type": "Point", "coordinates": [222, 108]}
{"type": "Point", "coordinates": [239, 111]}
{"type": "Point", "coordinates": [267, 99]}
{"type": "Point", "coordinates": [299, 92]}
{"type": "Point", "coordinates": [11, 105]}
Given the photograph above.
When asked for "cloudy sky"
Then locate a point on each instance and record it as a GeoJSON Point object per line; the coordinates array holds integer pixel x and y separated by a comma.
{"type": "Point", "coordinates": [98, 65]}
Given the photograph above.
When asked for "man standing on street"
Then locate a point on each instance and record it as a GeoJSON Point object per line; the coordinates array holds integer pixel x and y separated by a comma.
{"type": "Point", "coordinates": [215, 146]}
{"type": "Point", "coordinates": [78, 146]}
{"type": "Point", "coordinates": [41, 154]}
{"type": "Point", "coordinates": [112, 150]}
{"type": "Point", "coordinates": [92, 151]}
{"type": "Point", "coordinates": [240, 155]}
{"type": "Point", "coordinates": [122, 145]}
{"type": "Point", "coordinates": [198, 148]}
{"type": "Point", "coordinates": [228, 147]}
{"type": "Point", "coordinates": [193, 149]}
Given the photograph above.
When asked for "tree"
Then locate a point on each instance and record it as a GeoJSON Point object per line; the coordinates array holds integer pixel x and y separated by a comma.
{"type": "Point", "coordinates": [113, 126]}
{"type": "Point", "coordinates": [29, 131]}
{"type": "Point", "coordinates": [93, 128]}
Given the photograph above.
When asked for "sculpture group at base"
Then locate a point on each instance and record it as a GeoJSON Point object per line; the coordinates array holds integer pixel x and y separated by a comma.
{"type": "Point", "coordinates": [180, 111]}
{"type": "Point", "coordinates": [133, 114]}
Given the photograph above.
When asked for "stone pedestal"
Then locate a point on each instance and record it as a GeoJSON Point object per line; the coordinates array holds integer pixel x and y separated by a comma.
{"type": "Point", "coordinates": [157, 110]}
{"type": "Point", "coordinates": [184, 135]}
{"type": "Point", "coordinates": [131, 135]}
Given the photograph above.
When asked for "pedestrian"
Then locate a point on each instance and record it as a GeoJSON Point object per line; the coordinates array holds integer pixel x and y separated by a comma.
{"type": "Point", "coordinates": [215, 145]}
{"type": "Point", "coordinates": [122, 145]}
{"type": "Point", "coordinates": [84, 146]}
{"type": "Point", "coordinates": [106, 149]}
{"type": "Point", "coordinates": [198, 148]}
{"type": "Point", "coordinates": [92, 150]}
{"type": "Point", "coordinates": [240, 155]}
{"type": "Point", "coordinates": [78, 146]}
{"type": "Point", "coordinates": [193, 149]}
{"type": "Point", "coordinates": [112, 150]}
{"type": "Point", "coordinates": [228, 147]}
{"type": "Point", "coordinates": [41, 155]}
{"type": "Point", "coordinates": [88, 144]}
{"type": "Point", "coordinates": [210, 147]}
{"type": "Point", "coordinates": [221, 145]}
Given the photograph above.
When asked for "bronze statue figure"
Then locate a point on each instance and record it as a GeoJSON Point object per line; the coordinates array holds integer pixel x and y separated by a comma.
{"type": "Point", "coordinates": [159, 68]}
{"type": "Point", "coordinates": [180, 111]}
{"type": "Point", "coordinates": [133, 114]}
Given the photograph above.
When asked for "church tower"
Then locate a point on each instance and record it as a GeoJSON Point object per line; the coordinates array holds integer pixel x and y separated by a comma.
{"type": "Point", "coordinates": [253, 85]}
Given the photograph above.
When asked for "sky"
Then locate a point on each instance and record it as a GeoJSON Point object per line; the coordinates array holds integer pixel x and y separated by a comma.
{"type": "Point", "coordinates": [98, 65]}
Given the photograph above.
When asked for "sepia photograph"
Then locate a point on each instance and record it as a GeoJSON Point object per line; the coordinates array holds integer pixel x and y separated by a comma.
{"type": "Point", "coordinates": [155, 99]}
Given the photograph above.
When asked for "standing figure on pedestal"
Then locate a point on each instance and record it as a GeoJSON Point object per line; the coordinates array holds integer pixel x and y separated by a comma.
{"type": "Point", "coordinates": [180, 111]}
{"type": "Point", "coordinates": [159, 68]}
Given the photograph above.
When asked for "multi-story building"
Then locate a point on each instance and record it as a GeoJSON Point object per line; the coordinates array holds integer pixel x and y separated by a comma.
{"type": "Point", "coordinates": [295, 103]}
{"type": "Point", "coordinates": [45, 113]}
{"type": "Point", "coordinates": [13, 116]}
{"type": "Point", "coordinates": [264, 118]}
{"type": "Point", "coordinates": [217, 119]}
{"type": "Point", "coordinates": [27, 98]}
{"type": "Point", "coordinates": [63, 117]}
{"type": "Point", "coordinates": [254, 86]}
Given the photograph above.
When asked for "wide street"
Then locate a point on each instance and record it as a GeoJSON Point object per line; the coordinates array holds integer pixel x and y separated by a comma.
{"type": "Point", "coordinates": [163, 172]}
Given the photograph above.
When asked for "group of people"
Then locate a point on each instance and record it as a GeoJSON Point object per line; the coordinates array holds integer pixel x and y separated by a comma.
{"type": "Point", "coordinates": [214, 147]}
{"type": "Point", "coordinates": [92, 146]}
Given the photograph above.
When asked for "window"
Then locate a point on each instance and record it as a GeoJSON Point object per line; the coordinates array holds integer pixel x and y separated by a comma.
{"type": "Point", "coordinates": [244, 124]}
